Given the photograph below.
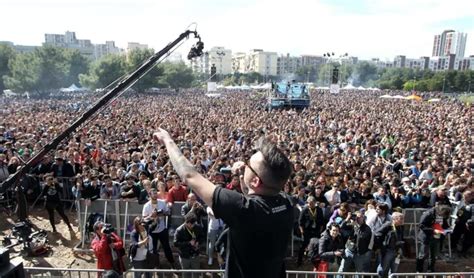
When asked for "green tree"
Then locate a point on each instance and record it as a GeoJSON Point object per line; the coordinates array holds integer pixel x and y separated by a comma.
{"type": "Point", "coordinates": [363, 72]}
{"type": "Point", "coordinates": [176, 75]}
{"type": "Point", "coordinates": [53, 68]}
{"type": "Point", "coordinates": [7, 53]}
{"type": "Point", "coordinates": [104, 71]}
{"type": "Point", "coordinates": [24, 72]}
{"type": "Point", "coordinates": [135, 59]}
{"type": "Point", "coordinates": [307, 73]}
{"type": "Point", "coordinates": [76, 64]}
{"type": "Point", "coordinates": [324, 75]}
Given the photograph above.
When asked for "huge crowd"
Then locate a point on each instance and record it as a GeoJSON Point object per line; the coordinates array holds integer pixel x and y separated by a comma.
{"type": "Point", "coordinates": [357, 160]}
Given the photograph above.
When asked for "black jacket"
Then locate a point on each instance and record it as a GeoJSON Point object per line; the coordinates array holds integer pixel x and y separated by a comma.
{"type": "Point", "coordinates": [182, 238]}
{"type": "Point", "coordinates": [312, 224]}
{"type": "Point", "coordinates": [91, 192]}
{"type": "Point", "coordinates": [428, 218]}
{"type": "Point", "coordinates": [328, 245]}
{"type": "Point", "coordinates": [464, 215]}
{"type": "Point", "coordinates": [360, 239]}
{"type": "Point", "coordinates": [391, 236]}
{"type": "Point", "coordinates": [66, 170]}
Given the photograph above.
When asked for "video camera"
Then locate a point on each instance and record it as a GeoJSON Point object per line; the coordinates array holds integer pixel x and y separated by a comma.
{"type": "Point", "coordinates": [108, 229]}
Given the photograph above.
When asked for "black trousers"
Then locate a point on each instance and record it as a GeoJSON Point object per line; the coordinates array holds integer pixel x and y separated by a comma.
{"type": "Point", "coordinates": [307, 236]}
{"type": "Point", "coordinates": [460, 230]}
{"type": "Point", "coordinates": [50, 207]}
{"type": "Point", "coordinates": [164, 238]}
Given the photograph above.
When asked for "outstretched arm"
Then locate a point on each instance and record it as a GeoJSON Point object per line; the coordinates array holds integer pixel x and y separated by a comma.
{"type": "Point", "coordinates": [189, 175]}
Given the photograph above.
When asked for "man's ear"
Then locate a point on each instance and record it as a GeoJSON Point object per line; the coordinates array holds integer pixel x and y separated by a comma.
{"type": "Point", "coordinates": [258, 182]}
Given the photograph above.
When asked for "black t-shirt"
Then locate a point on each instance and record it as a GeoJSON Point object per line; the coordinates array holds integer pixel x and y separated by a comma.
{"type": "Point", "coordinates": [259, 232]}
{"type": "Point", "coordinates": [52, 193]}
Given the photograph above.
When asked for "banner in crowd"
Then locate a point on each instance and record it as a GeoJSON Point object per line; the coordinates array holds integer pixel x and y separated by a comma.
{"type": "Point", "coordinates": [334, 89]}
{"type": "Point", "coordinates": [211, 86]}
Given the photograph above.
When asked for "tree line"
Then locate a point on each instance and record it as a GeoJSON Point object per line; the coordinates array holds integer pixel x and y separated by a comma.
{"type": "Point", "coordinates": [49, 68]}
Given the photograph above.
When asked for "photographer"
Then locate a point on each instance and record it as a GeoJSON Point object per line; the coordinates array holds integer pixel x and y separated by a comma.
{"type": "Point", "coordinates": [139, 248]}
{"type": "Point", "coordinates": [192, 205]}
{"type": "Point", "coordinates": [52, 191]}
{"type": "Point", "coordinates": [359, 245]}
{"type": "Point", "coordinates": [187, 238]}
{"type": "Point", "coordinates": [154, 213]}
{"type": "Point", "coordinates": [391, 236]}
{"type": "Point", "coordinates": [331, 249]}
{"type": "Point", "coordinates": [108, 248]}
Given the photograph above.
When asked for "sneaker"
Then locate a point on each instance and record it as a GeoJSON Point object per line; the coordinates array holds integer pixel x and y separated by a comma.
{"type": "Point", "coordinates": [209, 262]}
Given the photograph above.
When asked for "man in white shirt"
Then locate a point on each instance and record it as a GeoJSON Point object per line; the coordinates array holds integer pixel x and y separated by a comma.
{"type": "Point", "coordinates": [215, 227]}
{"type": "Point", "coordinates": [334, 195]}
{"type": "Point", "coordinates": [155, 212]}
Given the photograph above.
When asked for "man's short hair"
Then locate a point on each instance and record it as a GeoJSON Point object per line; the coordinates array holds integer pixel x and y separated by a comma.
{"type": "Point", "coordinates": [443, 211]}
{"type": "Point", "coordinates": [98, 225]}
{"type": "Point", "coordinates": [190, 217]}
{"type": "Point", "coordinates": [276, 164]}
{"type": "Point", "coordinates": [397, 215]}
{"type": "Point", "coordinates": [383, 206]}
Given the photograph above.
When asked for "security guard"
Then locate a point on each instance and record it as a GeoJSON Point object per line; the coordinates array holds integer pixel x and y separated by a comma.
{"type": "Point", "coordinates": [433, 224]}
{"type": "Point", "coordinates": [311, 223]}
{"type": "Point", "coordinates": [464, 226]}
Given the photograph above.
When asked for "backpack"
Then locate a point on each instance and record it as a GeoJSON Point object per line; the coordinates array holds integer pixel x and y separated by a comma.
{"type": "Point", "coordinates": [132, 251]}
{"type": "Point", "coordinates": [91, 220]}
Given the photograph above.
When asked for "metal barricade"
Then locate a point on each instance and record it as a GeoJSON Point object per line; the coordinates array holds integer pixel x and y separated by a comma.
{"type": "Point", "coordinates": [120, 214]}
{"type": "Point", "coordinates": [211, 273]}
{"type": "Point", "coordinates": [172, 273]}
{"type": "Point", "coordinates": [61, 272]}
{"type": "Point", "coordinates": [434, 275]}
{"type": "Point", "coordinates": [67, 185]}
{"type": "Point", "coordinates": [313, 274]}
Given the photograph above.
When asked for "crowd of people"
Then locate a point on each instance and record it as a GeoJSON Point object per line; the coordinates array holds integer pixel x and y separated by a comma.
{"type": "Point", "coordinates": [358, 161]}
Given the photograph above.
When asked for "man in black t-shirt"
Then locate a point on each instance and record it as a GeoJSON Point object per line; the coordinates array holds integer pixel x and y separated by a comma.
{"type": "Point", "coordinates": [260, 221]}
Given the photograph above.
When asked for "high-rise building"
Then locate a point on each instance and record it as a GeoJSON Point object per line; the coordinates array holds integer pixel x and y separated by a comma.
{"type": "Point", "coordinates": [221, 58]}
{"type": "Point", "coordinates": [312, 60]}
{"type": "Point", "coordinates": [105, 49]}
{"type": "Point", "coordinates": [135, 45]}
{"type": "Point", "coordinates": [218, 56]}
{"type": "Point", "coordinates": [442, 63]}
{"type": "Point", "coordinates": [256, 60]}
{"type": "Point", "coordinates": [287, 64]}
{"type": "Point", "coordinates": [85, 47]}
{"type": "Point", "coordinates": [449, 42]}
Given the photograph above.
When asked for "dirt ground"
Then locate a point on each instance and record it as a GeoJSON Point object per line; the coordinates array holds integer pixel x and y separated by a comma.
{"type": "Point", "coordinates": [61, 252]}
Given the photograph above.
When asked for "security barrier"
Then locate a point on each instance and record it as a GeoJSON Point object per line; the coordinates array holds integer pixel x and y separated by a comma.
{"type": "Point", "coordinates": [434, 275]}
{"type": "Point", "coordinates": [211, 273]}
{"type": "Point", "coordinates": [61, 272]}
{"type": "Point", "coordinates": [120, 214]}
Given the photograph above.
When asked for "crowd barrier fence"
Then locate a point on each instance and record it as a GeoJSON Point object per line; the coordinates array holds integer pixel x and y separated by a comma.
{"type": "Point", "coordinates": [61, 272]}
{"type": "Point", "coordinates": [121, 213]}
{"type": "Point", "coordinates": [211, 273]}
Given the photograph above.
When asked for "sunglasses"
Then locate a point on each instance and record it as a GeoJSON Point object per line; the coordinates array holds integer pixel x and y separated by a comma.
{"type": "Point", "coordinates": [247, 164]}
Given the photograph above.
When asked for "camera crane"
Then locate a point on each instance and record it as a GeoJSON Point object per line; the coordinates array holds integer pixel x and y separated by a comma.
{"type": "Point", "coordinates": [121, 85]}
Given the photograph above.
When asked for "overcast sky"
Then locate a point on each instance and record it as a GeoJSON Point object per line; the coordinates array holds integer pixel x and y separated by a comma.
{"type": "Point", "coordinates": [363, 28]}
